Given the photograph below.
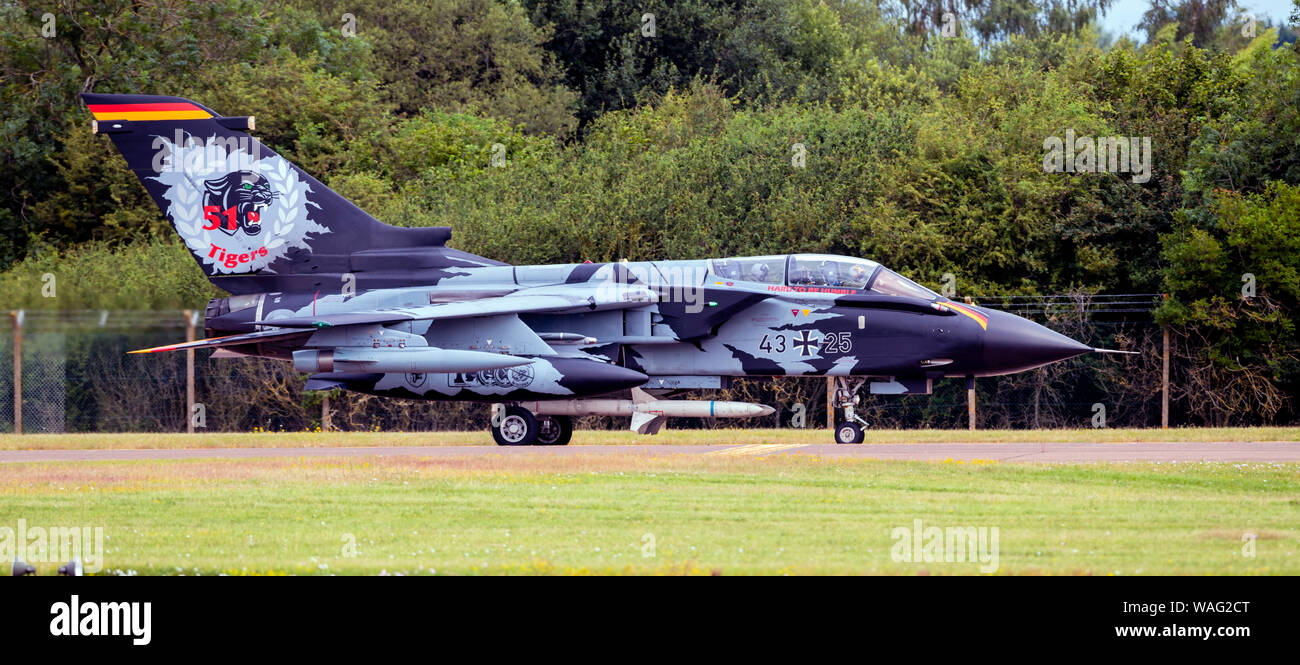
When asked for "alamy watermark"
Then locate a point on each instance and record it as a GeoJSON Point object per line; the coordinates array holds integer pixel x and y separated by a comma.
{"type": "Point", "coordinates": [102, 619]}
{"type": "Point", "coordinates": [1106, 154]}
{"type": "Point", "coordinates": [190, 155]}
{"type": "Point", "coordinates": [54, 544]}
{"type": "Point", "coordinates": [955, 544]}
{"type": "Point", "coordinates": [627, 282]}
{"type": "Point", "coordinates": [799, 416]}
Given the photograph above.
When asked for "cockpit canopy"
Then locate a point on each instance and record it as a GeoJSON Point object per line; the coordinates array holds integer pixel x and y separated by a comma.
{"type": "Point", "coordinates": [820, 270]}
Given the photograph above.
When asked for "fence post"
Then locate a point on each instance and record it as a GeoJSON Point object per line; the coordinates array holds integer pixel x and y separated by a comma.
{"type": "Point", "coordinates": [970, 402]}
{"type": "Point", "coordinates": [1164, 386]}
{"type": "Point", "coordinates": [830, 403]}
{"type": "Point", "coordinates": [191, 317]}
{"type": "Point", "coordinates": [325, 413]}
{"type": "Point", "coordinates": [18, 370]}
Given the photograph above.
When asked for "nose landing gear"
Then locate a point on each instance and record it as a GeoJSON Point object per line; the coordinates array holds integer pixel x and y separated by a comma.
{"type": "Point", "coordinates": [851, 429]}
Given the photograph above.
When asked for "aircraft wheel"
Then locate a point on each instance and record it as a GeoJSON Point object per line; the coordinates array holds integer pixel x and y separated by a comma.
{"type": "Point", "coordinates": [554, 431]}
{"type": "Point", "coordinates": [518, 427]}
{"type": "Point", "coordinates": [847, 432]}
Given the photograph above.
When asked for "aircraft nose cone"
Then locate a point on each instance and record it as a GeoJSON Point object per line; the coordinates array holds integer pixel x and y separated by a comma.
{"type": "Point", "coordinates": [1014, 344]}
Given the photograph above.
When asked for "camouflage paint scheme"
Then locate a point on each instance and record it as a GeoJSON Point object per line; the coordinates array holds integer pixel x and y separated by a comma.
{"type": "Point", "coordinates": [741, 329]}
{"type": "Point", "coordinates": [308, 270]}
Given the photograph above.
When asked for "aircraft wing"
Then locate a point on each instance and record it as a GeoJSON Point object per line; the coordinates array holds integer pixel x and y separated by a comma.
{"type": "Point", "coordinates": [228, 340]}
{"type": "Point", "coordinates": [551, 299]}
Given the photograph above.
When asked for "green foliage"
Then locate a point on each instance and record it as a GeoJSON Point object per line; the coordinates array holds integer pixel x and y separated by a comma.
{"type": "Point", "coordinates": [1236, 286]}
{"type": "Point", "coordinates": [1194, 19]}
{"type": "Point", "coordinates": [1250, 138]}
{"type": "Point", "coordinates": [154, 274]}
{"type": "Point", "coordinates": [1256, 235]}
{"type": "Point", "coordinates": [993, 20]}
{"type": "Point", "coordinates": [621, 52]}
{"type": "Point", "coordinates": [922, 149]}
{"type": "Point", "coordinates": [59, 182]}
{"type": "Point", "coordinates": [460, 55]}
{"type": "Point", "coordinates": [439, 146]}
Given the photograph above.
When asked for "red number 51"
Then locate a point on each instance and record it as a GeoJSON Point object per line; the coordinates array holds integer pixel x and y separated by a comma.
{"type": "Point", "coordinates": [213, 215]}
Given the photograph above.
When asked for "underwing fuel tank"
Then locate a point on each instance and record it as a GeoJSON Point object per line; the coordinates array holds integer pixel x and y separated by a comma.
{"type": "Point", "coordinates": [421, 359]}
{"type": "Point", "coordinates": [672, 408]}
{"type": "Point", "coordinates": [648, 414]}
{"type": "Point", "coordinates": [541, 378]}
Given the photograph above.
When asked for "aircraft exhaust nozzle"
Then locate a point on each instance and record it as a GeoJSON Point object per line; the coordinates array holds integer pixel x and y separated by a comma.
{"type": "Point", "coordinates": [408, 360]}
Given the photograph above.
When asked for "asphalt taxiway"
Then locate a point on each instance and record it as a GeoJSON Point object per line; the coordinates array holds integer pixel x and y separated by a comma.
{"type": "Point", "coordinates": [1225, 451]}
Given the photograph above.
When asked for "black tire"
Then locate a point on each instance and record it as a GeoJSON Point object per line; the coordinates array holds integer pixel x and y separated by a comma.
{"type": "Point", "coordinates": [849, 432]}
{"type": "Point", "coordinates": [554, 431]}
{"type": "Point", "coordinates": [517, 427]}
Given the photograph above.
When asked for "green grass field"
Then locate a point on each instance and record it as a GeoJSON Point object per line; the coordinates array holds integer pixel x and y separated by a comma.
{"type": "Point", "coordinates": [621, 437]}
{"type": "Point", "coordinates": [673, 514]}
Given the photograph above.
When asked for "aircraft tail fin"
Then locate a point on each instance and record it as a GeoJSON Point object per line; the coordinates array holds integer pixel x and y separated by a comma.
{"type": "Point", "coordinates": [252, 220]}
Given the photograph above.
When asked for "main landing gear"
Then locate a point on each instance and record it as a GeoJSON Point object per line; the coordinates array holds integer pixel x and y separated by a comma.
{"type": "Point", "coordinates": [851, 429]}
{"type": "Point", "coordinates": [517, 426]}
{"type": "Point", "coordinates": [554, 431]}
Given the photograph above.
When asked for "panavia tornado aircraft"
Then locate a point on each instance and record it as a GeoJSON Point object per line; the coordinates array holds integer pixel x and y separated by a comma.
{"type": "Point", "coordinates": [368, 307]}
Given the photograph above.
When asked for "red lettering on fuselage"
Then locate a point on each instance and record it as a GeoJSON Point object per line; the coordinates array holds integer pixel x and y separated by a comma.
{"type": "Point", "coordinates": [809, 289]}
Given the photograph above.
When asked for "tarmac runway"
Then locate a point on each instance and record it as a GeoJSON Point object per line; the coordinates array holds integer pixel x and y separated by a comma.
{"type": "Point", "coordinates": [1226, 451]}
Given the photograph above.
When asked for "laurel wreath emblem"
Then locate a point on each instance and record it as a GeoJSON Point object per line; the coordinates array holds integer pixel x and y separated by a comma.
{"type": "Point", "coordinates": [286, 217]}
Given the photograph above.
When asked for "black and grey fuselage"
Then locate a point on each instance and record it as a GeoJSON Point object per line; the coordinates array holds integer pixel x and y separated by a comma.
{"type": "Point", "coordinates": [703, 323]}
{"type": "Point", "coordinates": [366, 306]}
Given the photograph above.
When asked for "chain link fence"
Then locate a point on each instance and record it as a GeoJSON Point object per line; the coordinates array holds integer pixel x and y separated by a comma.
{"type": "Point", "coordinates": [77, 376]}
{"type": "Point", "coordinates": [6, 376]}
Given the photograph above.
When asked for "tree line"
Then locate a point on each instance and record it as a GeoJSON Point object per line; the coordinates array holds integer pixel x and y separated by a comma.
{"type": "Point", "coordinates": [977, 139]}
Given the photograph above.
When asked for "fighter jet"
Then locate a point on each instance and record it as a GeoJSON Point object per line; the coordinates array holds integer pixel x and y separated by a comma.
{"type": "Point", "coordinates": [363, 306]}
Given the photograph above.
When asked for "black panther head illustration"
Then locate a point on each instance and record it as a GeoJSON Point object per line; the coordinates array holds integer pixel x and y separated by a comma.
{"type": "Point", "coordinates": [244, 191]}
